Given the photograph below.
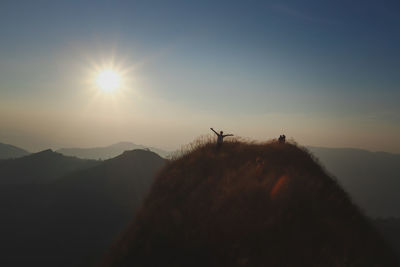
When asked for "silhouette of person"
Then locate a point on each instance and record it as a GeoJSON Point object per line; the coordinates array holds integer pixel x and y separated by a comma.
{"type": "Point", "coordinates": [220, 137]}
{"type": "Point", "coordinates": [282, 139]}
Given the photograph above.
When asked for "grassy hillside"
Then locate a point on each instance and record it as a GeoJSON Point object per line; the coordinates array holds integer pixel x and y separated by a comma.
{"type": "Point", "coordinates": [248, 205]}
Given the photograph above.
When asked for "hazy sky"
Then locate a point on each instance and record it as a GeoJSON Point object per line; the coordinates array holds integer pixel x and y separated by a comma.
{"type": "Point", "coordinates": [325, 73]}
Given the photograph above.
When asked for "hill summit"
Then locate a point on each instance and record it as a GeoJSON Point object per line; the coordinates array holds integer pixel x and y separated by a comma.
{"type": "Point", "coordinates": [248, 205]}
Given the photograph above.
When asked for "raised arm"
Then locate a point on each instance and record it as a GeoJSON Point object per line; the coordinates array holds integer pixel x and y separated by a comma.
{"type": "Point", "coordinates": [214, 131]}
{"type": "Point", "coordinates": [225, 135]}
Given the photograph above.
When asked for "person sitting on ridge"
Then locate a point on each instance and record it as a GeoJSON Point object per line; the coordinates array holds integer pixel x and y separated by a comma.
{"type": "Point", "coordinates": [220, 137]}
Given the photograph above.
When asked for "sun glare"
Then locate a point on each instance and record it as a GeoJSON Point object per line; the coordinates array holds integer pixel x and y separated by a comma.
{"type": "Point", "coordinates": [108, 80]}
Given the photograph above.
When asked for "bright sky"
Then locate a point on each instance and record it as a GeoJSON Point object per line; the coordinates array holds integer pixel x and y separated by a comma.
{"type": "Point", "coordinates": [325, 73]}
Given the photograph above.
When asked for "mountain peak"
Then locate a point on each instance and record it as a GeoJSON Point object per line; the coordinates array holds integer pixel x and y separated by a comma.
{"type": "Point", "coordinates": [46, 151]}
{"type": "Point", "coordinates": [137, 154]}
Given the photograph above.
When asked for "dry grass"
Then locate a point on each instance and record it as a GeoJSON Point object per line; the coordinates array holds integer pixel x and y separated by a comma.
{"type": "Point", "coordinates": [248, 204]}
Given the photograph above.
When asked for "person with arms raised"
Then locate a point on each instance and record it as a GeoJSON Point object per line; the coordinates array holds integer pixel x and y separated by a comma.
{"type": "Point", "coordinates": [220, 137]}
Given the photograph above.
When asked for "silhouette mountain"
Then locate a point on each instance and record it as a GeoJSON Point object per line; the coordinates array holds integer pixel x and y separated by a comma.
{"type": "Point", "coordinates": [9, 152]}
{"type": "Point", "coordinates": [41, 167]}
{"type": "Point", "coordinates": [71, 221]}
{"type": "Point", "coordinates": [371, 178]}
{"type": "Point", "coordinates": [248, 205]}
{"type": "Point", "coordinates": [107, 152]}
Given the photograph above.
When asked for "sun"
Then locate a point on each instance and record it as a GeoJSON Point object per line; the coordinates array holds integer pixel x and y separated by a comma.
{"type": "Point", "coordinates": [108, 80]}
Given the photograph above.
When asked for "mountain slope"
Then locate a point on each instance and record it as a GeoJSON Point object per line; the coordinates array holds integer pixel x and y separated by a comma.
{"type": "Point", "coordinates": [9, 152]}
{"type": "Point", "coordinates": [371, 178]}
{"type": "Point", "coordinates": [248, 205]}
{"type": "Point", "coordinates": [107, 151]}
{"type": "Point", "coordinates": [123, 179]}
{"type": "Point", "coordinates": [40, 167]}
{"type": "Point", "coordinates": [71, 221]}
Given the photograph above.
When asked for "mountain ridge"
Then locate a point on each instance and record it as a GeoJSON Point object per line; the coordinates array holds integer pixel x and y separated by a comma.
{"type": "Point", "coordinates": [106, 152]}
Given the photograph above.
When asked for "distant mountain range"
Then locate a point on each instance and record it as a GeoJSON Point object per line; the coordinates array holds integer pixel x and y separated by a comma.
{"type": "Point", "coordinates": [9, 151]}
{"type": "Point", "coordinates": [71, 221]}
{"type": "Point", "coordinates": [107, 151]}
{"type": "Point", "coordinates": [371, 178]}
{"type": "Point", "coordinates": [64, 211]}
{"type": "Point", "coordinates": [42, 167]}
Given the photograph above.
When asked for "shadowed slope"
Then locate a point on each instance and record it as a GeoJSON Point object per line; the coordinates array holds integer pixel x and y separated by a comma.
{"type": "Point", "coordinates": [71, 221]}
{"type": "Point", "coordinates": [9, 152]}
{"type": "Point", "coordinates": [248, 205]}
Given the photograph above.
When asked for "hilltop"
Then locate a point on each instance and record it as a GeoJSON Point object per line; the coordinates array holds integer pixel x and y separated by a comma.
{"type": "Point", "coordinates": [248, 205]}
{"type": "Point", "coordinates": [10, 151]}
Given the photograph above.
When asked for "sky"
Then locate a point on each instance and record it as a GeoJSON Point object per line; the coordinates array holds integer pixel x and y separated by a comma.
{"type": "Point", "coordinates": [324, 73]}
